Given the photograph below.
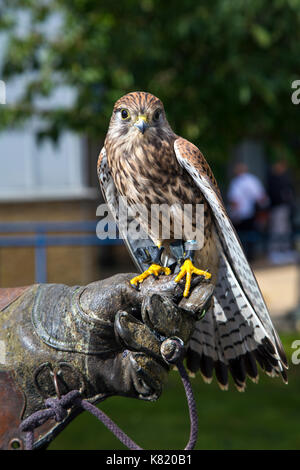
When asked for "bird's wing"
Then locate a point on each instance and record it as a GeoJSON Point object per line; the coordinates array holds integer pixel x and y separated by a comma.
{"type": "Point", "coordinates": [111, 197]}
{"type": "Point", "coordinates": [239, 325]}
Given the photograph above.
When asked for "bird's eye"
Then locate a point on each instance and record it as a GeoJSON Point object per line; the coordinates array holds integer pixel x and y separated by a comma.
{"type": "Point", "coordinates": [125, 114]}
{"type": "Point", "coordinates": [156, 115]}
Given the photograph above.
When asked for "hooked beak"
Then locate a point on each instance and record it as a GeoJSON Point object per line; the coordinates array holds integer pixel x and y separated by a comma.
{"type": "Point", "coordinates": [141, 123]}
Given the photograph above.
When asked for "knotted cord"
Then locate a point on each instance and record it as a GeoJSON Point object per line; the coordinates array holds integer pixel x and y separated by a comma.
{"type": "Point", "coordinates": [56, 408]}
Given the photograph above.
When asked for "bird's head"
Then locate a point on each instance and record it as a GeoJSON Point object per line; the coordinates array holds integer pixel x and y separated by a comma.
{"type": "Point", "coordinates": [138, 116]}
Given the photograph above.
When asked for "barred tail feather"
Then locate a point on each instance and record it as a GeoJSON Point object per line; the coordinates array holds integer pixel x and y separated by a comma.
{"type": "Point", "coordinates": [231, 337]}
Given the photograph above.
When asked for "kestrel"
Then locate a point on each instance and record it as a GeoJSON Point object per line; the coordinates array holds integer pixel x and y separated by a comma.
{"type": "Point", "coordinates": [146, 163]}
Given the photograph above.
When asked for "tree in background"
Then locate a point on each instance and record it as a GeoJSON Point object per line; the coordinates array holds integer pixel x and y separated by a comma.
{"type": "Point", "coordinates": [224, 69]}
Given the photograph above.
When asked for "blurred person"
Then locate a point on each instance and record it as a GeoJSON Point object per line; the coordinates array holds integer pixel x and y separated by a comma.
{"type": "Point", "coordinates": [246, 194]}
{"type": "Point", "coordinates": [281, 192]}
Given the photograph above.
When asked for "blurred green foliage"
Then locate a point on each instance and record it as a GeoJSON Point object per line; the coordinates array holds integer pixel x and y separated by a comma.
{"type": "Point", "coordinates": [265, 416]}
{"type": "Point", "coordinates": [223, 69]}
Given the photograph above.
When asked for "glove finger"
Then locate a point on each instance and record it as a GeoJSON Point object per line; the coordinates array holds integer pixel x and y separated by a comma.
{"type": "Point", "coordinates": [135, 335]}
{"type": "Point", "coordinates": [168, 319]}
{"type": "Point", "coordinates": [148, 376]}
{"type": "Point", "coordinates": [198, 299]}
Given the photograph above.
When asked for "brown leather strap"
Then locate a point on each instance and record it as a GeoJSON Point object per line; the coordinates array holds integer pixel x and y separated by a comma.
{"type": "Point", "coordinates": [9, 295]}
{"type": "Point", "coordinates": [12, 402]}
{"type": "Point", "coordinates": [12, 405]}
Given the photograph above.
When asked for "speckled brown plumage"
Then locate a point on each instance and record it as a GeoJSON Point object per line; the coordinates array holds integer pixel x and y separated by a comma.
{"type": "Point", "coordinates": [146, 171]}
{"type": "Point", "coordinates": [157, 167]}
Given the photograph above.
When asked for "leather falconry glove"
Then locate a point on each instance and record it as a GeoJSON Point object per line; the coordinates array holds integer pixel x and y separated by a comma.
{"type": "Point", "coordinates": [102, 339]}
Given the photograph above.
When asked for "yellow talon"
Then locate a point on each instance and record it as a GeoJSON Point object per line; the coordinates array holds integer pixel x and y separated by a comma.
{"type": "Point", "coordinates": [154, 269]}
{"type": "Point", "coordinates": [187, 269]}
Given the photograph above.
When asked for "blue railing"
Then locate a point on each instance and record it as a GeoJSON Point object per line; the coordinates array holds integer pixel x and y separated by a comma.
{"type": "Point", "coordinates": [40, 235]}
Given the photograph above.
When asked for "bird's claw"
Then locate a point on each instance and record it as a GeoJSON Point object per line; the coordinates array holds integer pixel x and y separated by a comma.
{"type": "Point", "coordinates": [135, 286]}
{"type": "Point", "coordinates": [153, 270]}
{"type": "Point", "coordinates": [187, 269]}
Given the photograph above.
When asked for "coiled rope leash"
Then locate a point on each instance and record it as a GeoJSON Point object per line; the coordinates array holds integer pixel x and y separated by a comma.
{"type": "Point", "coordinates": [172, 352]}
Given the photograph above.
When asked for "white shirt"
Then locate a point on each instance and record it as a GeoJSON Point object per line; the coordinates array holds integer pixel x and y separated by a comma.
{"type": "Point", "coordinates": [244, 192]}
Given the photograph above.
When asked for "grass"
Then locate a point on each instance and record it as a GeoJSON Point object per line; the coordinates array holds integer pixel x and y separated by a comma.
{"type": "Point", "coordinates": [266, 416]}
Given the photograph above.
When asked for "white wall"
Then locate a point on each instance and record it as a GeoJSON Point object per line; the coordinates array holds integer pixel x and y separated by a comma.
{"type": "Point", "coordinates": [46, 171]}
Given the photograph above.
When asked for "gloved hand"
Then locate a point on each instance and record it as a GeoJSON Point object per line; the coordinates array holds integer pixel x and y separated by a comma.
{"type": "Point", "coordinates": [103, 339]}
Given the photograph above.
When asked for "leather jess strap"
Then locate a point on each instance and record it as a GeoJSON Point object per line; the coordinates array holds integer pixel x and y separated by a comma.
{"type": "Point", "coordinates": [9, 295]}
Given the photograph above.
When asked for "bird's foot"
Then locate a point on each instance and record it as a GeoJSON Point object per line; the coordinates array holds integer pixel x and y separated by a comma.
{"type": "Point", "coordinates": [153, 270]}
{"type": "Point", "coordinates": [187, 269]}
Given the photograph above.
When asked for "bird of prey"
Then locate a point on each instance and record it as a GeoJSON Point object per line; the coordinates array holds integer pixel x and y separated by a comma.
{"type": "Point", "coordinates": [146, 163]}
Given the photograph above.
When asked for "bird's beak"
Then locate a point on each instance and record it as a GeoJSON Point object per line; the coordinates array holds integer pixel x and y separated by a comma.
{"type": "Point", "coordinates": [142, 123]}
